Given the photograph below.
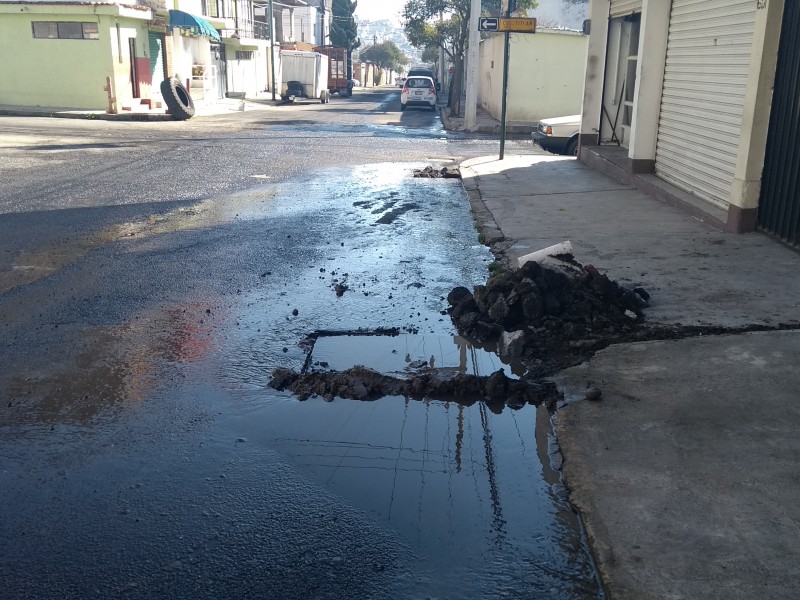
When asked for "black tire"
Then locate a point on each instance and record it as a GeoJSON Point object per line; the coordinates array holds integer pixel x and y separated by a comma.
{"type": "Point", "coordinates": [178, 100]}
{"type": "Point", "coordinates": [402, 106]}
{"type": "Point", "coordinates": [433, 107]}
{"type": "Point", "coordinates": [572, 148]}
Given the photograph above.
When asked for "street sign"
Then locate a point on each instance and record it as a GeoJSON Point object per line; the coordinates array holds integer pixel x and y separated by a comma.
{"type": "Point", "coordinates": [516, 24]}
{"type": "Point", "coordinates": [488, 24]}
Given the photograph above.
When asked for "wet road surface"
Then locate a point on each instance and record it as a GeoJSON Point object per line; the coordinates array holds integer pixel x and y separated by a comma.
{"type": "Point", "coordinates": [142, 453]}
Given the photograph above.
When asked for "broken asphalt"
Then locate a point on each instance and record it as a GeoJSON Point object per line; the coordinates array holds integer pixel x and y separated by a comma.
{"type": "Point", "coordinates": [685, 473]}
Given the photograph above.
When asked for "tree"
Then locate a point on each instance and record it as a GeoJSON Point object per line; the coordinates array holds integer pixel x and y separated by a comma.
{"type": "Point", "coordinates": [344, 29]}
{"type": "Point", "coordinates": [385, 55]}
{"type": "Point", "coordinates": [430, 54]}
{"type": "Point", "coordinates": [445, 24]}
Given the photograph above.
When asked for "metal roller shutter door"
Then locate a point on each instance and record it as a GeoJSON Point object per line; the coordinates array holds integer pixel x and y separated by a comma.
{"type": "Point", "coordinates": [705, 80]}
{"type": "Point", "coordinates": [156, 58]}
{"type": "Point", "coordinates": [621, 8]}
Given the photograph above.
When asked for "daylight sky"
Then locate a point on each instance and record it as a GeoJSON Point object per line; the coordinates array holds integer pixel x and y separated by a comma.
{"type": "Point", "coordinates": [374, 10]}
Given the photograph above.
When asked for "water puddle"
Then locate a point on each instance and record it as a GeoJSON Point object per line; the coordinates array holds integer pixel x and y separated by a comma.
{"type": "Point", "coordinates": [471, 492]}
{"type": "Point", "coordinates": [399, 353]}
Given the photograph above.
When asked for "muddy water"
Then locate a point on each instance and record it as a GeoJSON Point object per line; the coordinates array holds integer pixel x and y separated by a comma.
{"type": "Point", "coordinates": [471, 494]}
{"type": "Point", "coordinates": [151, 459]}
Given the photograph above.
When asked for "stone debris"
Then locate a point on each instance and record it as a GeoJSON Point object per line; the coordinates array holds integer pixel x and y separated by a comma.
{"type": "Point", "coordinates": [361, 383]}
{"type": "Point", "coordinates": [547, 317]}
{"type": "Point", "coordinates": [434, 173]}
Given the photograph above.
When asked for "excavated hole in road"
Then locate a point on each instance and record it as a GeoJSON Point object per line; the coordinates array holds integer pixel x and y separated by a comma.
{"type": "Point", "coordinates": [374, 364]}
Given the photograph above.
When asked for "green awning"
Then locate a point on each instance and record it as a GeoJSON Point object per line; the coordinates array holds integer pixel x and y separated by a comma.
{"type": "Point", "coordinates": [178, 18]}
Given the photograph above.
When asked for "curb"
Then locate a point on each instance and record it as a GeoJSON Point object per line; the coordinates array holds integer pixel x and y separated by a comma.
{"type": "Point", "coordinates": [87, 116]}
{"type": "Point", "coordinates": [488, 228]}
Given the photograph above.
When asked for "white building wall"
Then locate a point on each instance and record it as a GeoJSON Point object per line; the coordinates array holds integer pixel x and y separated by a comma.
{"type": "Point", "coordinates": [545, 78]}
{"type": "Point", "coordinates": [568, 14]}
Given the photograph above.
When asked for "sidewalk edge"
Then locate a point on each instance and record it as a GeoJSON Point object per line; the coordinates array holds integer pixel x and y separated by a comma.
{"type": "Point", "coordinates": [490, 232]}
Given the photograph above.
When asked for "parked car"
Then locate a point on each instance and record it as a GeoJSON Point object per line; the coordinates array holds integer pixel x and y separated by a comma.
{"type": "Point", "coordinates": [399, 81]}
{"type": "Point", "coordinates": [418, 91]}
{"type": "Point", "coordinates": [558, 135]}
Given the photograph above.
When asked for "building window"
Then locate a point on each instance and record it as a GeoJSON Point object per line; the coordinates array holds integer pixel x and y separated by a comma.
{"type": "Point", "coordinates": [244, 55]}
{"type": "Point", "coordinates": [65, 30]}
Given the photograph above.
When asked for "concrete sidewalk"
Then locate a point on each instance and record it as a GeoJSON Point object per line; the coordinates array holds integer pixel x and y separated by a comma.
{"type": "Point", "coordinates": [687, 472]}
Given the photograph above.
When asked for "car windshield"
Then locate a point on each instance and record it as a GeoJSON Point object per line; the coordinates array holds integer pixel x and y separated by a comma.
{"type": "Point", "coordinates": [419, 82]}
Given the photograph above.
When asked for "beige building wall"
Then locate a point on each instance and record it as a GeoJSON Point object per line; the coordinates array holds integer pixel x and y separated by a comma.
{"type": "Point", "coordinates": [545, 77]}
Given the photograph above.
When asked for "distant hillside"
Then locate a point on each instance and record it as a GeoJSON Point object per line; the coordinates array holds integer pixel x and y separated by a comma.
{"type": "Point", "coordinates": [371, 32]}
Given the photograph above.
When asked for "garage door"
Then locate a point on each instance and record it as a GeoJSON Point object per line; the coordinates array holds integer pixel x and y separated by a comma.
{"type": "Point", "coordinates": [156, 42]}
{"type": "Point", "coordinates": [705, 80]}
{"type": "Point", "coordinates": [621, 8]}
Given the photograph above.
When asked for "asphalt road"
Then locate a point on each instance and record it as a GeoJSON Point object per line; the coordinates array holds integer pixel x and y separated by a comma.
{"type": "Point", "coordinates": [151, 277]}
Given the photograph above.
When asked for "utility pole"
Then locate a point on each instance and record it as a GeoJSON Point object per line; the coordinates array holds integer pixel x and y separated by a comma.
{"type": "Point", "coordinates": [506, 52]}
{"type": "Point", "coordinates": [272, 47]}
{"type": "Point", "coordinates": [473, 70]}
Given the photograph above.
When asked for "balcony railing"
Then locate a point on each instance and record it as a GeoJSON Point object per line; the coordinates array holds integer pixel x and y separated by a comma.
{"type": "Point", "coordinates": [248, 28]}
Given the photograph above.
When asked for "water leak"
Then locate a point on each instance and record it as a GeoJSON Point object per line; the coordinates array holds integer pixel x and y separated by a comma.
{"type": "Point", "coordinates": [203, 482]}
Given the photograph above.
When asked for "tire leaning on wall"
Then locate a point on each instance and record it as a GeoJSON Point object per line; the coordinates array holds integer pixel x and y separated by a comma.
{"type": "Point", "coordinates": [179, 102]}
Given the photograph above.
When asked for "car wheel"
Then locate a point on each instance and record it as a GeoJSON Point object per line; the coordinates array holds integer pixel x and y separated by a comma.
{"type": "Point", "coordinates": [433, 107]}
{"type": "Point", "coordinates": [402, 106]}
{"type": "Point", "coordinates": [572, 148]}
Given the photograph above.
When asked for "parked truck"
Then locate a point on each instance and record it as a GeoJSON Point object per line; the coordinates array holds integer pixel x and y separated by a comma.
{"type": "Point", "coordinates": [304, 75]}
{"type": "Point", "coordinates": [340, 70]}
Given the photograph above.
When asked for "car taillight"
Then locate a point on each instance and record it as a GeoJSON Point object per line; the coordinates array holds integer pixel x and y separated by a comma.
{"type": "Point", "coordinates": [431, 90]}
{"type": "Point", "coordinates": [405, 89]}
{"type": "Point", "coordinates": [548, 130]}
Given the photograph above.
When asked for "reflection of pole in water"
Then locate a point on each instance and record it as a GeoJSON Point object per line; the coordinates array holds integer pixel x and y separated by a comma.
{"type": "Point", "coordinates": [399, 454]}
{"type": "Point", "coordinates": [497, 521]}
{"type": "Point", "coordinates": [459, 437]}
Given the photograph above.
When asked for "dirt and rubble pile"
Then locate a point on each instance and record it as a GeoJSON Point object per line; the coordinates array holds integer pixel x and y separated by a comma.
{"type": "Point", "coordinates": [434, 173]}
{"type": "Point", "coordinates": [545, 316]}
{"type": "Point", "coordinates": [361, 383]}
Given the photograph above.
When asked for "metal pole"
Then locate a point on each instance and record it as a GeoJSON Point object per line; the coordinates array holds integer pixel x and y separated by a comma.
{"type": "Point", "coordinates": [506, 52]}
{"type": "Point", "coordinates": [272, 47]}
{"type": "Point", "coordinates": [473, 70]}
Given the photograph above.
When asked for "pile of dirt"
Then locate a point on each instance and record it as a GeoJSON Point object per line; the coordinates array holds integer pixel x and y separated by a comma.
{"type": "Point", "coordinates": [361, 383]}
{"type": "Point", "coordinates": [434, 173]}
{"type": "Point", "coordinates": [548, 318]}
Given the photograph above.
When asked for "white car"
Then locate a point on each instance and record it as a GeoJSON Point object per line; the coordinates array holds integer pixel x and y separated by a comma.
{"type": "Point", "coordinates": [418, 91]}
{"type": "Point", "coordinates": [558, 135]}
{"type": "Point", "coordinates": [399, 81]}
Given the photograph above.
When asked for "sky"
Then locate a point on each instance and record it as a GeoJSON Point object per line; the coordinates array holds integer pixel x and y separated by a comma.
{"type": "Point", "coordinates": [374, 10]}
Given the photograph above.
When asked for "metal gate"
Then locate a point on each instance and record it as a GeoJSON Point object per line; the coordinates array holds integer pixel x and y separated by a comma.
{"type": "Point", "coordinates": [705, 80]}
{"type": "Point", "coordinates": [219, 60]}
{"type": "Point", "coordinates": [779, 206]}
